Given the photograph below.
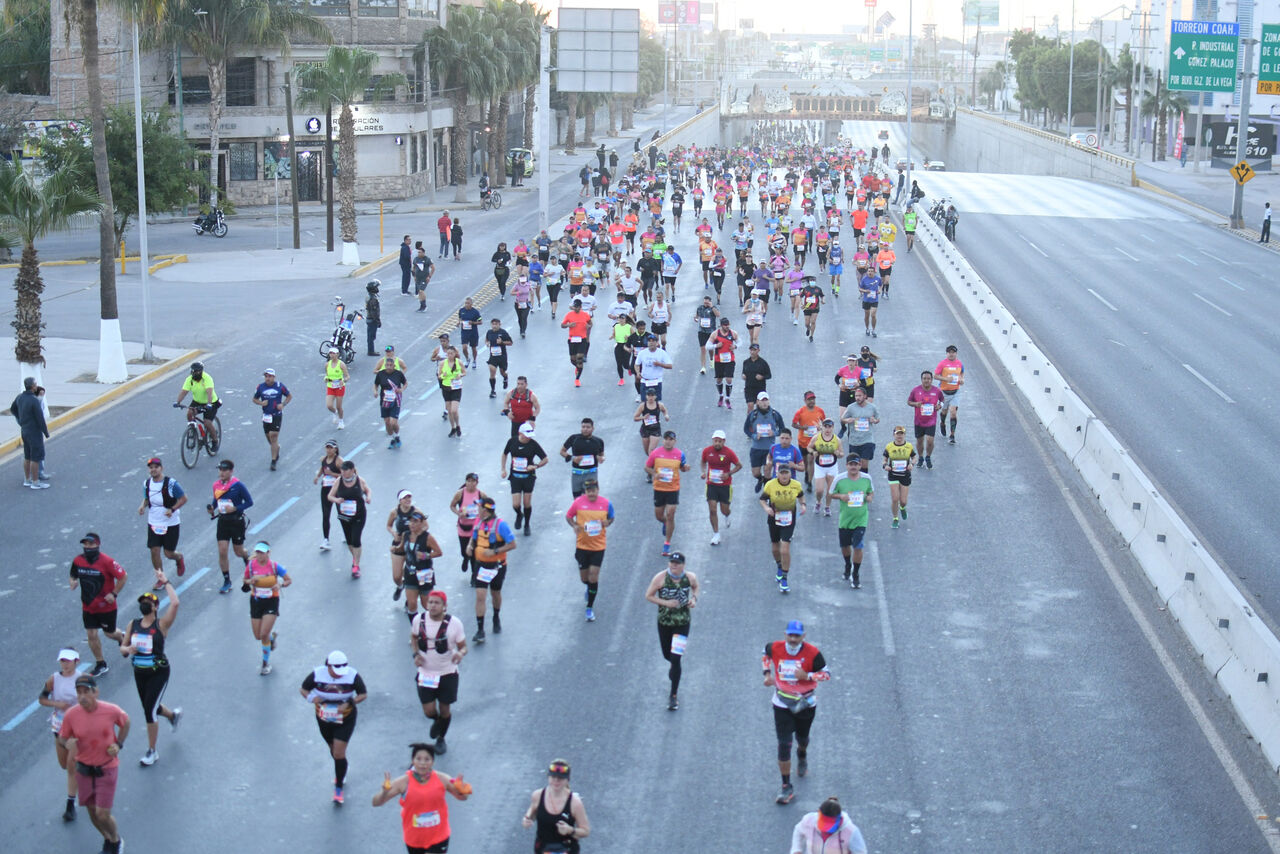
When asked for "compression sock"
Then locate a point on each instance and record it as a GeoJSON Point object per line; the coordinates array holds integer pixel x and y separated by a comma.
{"type": "Point", "coordinates": [577, 371]}
{"type": "Point", "coordinates": [496, 611]}
{"type": "Point", "coordinates": [592, 590]}
{"type": "Point", "coordinates": [493, 383]}
{"type": "Point", "coordinates": [480, 623]}
{"type": "Point", "coordinates": [411, 615]}
{"type": "Point", "coordinates": [266, 652]}
{"type": "Point", "coordinates": [519, 517]}
{"type": "Point", "coordinates": [953, 428]}
{"type": "Point", "coordinates": [445, 720]}
{"type": "Point", "coordinates": [720, 389]}
{"type": "Point", "coordinates": [786, 779]}
{"type": "Point", "coordinates": [857, 568]}
{"type": "Point", "coordinates": [339, 772]}
{"type": "Point", "coordinates": [848, 563]}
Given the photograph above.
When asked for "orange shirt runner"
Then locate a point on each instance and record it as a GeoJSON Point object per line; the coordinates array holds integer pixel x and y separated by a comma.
{"type": "Point", "coordinates": [809, 421]}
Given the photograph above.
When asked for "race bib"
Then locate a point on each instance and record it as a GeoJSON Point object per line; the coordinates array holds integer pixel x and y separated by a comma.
{"type": "Point", "coordinates": [335, 384]}
{"type": "Point", "coordinates": [496, 351]}
{"type": "Point", "coordinates": [678, 643]}
{"type": "Point", "coordinates": [143, 644]}
{"type": "Point", "coordinates": [704, 322]}
{"type": "Point", "coordinates": [264, 592]}
{"type": "Point", "coordinates": [472, 511]}
{"type": "Point", "coordinates": [849, 382]}
{"type": "Point", "coordinates": [347, 507]}
{"type": "Point", "coordinates": [487, 574]}
{"type": "Point", "coordinates": [763, 429]}
{"type": "Point", "coordinates": [726, 356]}
{"type": "Point", "coordinates": [521, 304]}
{"type": "Point", "coordinates": [811, 431]}
{"type": "Point", "coordinates": [899, 466]}
{"type": "Point", "coordinates": [666, 475]}
{"type": "Point", "coordinates": [826, 459]}
{"type": "Point", "coordinates": [389, 395]}
{"type": "Point", "coordinates": [586, 461]}
{"type": "Point", "coordinates": [782, 518]}
{"type": "Point", "coordinates": [575, 339]}
{"type": "Point", "coordinates": [160, 529]}
{"type": "Point", "coordinates": [862, 425]}
{"type": "Point", "coordinates": [425, 576]}
{"type": "Point", "coordinates": [650, 420]}
{"type": "Point", "coordinates": [857, 499]}
{"type": "Point", "coordinates": [426, 819]}
{"type": "Point", "coordinates": [926, 409]}
{"type": "Point", "coordinates": [787, 670]}
{"type": "Point", "coordinates": [331, 713]}
{"type": "Point", "coordinates": [716, 475]}
{"type": "Point", "coordinates": [593, 527]}
{"type": "Point", "coordinates": [268, 417]}
{"type": "Point", "coordinates": [428, 680]}
{"type": "Point", "coordinates": [328, 480]}
{"type": "Point", "coordinates": [519, 464]}
{"type": "Point", "coordinates": [226, 506]}
{"type": "Point", "coordinates": [467, 324]}
{"type": "Point", "coordinates": [866, 373]}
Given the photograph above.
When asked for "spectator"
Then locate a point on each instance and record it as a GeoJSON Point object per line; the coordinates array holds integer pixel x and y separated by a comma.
{"type": "Point", "coordinates": [29, 410]}
{"type": "Point", "coordinates": [442, 226]}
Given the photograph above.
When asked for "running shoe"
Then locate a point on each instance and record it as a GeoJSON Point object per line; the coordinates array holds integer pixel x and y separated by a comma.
{"type": "Point", "coordinates": [324, 544]}
{"type": "Point", "coordinates": [69, 813]}
{"type": "Point", "coordinates": [577, 383]}
{"type": "Point", "coordinates": [99, 669]}
{"type": "Point", "coordinates": [182, 565]}
{"type": "Point", "coordinates": [159, 585]}
{"type": "Point", "coordinates": [802, 766]}
{"type": "Point", "coordinates": [399, 591]}
{"type": "Point", "coordinates": [342, 424]}
{"type": "Point", "coordinates": [903, 510]}
{"type": "Point", "coordinates": [355, 571]}
{"type": "Point", "coordinates": [826, 511]}
{"type": "Point", "coordinates": [715, 538]}
{"type": "Point", "coordinates": [149, 758]}
{"type": "Point", "coordinates": [785, 794]}
{"type": "Point", "coordinates": [591, 615]}
{"type": "Point", "coordinates": [478, 637]}
{"type": "Point", "coordinates": [497, 624]}
{"type": "Point", "coordinates": [441, 747]}
{"type": "Point", "coordinates": [783, 586]}
{"type": "Point", "coordinates": [620, 381]}
{"type": "Point", "coordinates": [273, 465]}
{"type": "Point", "coordinates": [177, 716]}
{"type": "Point", "coordinates": [928, 461]}
{"type": "Point", "coordinates": [266, 669]}
{"type": "Point", "coordinates": [952, 440]}
{"type": "Point", "coordinates": [666, 549]}
{"type": "Point", "coordinates": [337, 795]}
{"type": "Point", "coordinates": [226, 585]}
{"type": "Point", "coordinates": [702, 370]}
{"type": "Point", "coordinates": [893, 524]}
{"type": "Point", "coordinates": [728, 404]}
{"type": "Point", "coordinates": [673, 704]}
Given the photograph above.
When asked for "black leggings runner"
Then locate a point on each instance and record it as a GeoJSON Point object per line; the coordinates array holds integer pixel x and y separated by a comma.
{"type": "Point", "coordinates": [665, 633]}
{"type": "Point", "coordinates": [326, 508]}
{"type": "Point", "coordinates": [151, 682]}
{"type": "Point", "coordinates": [622, 359]}
{"type": "Point", "coordinates": [352, 528]}
{"type": "Point", "coordinates": [501, 277]}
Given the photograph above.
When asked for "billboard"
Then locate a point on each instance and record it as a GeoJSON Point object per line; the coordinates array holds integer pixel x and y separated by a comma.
{"type": "Point", "coordinates": [1222, 138]}
{"type": "Point", "coordinates": [598, 50]}
{"type": "Point", "coordinates": [984, 13]}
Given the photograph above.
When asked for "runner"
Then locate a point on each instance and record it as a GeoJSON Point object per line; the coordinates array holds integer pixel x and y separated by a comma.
{"type": "Point", "coordinates": [424, 812]}
{"type": "Point", "coordinates": [950, 374]}
{"type": "Point", "coordinates": [579, 323]}
{"type": "Point", "coordinates": [705, 317]}
{"type": "Point", "coordinates": [761, 426]}
{"type": "Point", "coordinates": [860, 417]}
{"type": "Point", "coordinates": [830, 829]}
{"type": "Point", "coordinates": [59, 694]}
{"type": "Point", "coordinates": [450, 373]}
{"type": "Point", "coordinates": [835, 265]}
{"type": "Point", "coordinates": [273, 397]}
{"type": "Point", "coordinates": [335, 689]}
{"type": "Point", "coordinates": [811, 299]}
{"type": "Point", "coordinates": [497, 340]}
{"type": "Point", "coordinates": [909, 218]}
{"type": "Point", "coordinates": [589, 516]}
{"type": "Point", "coordinates": [420, 552]}
{"type": "Point", "coordinates": [663, 467]}
{"type": "Point", "coordinates": [560, 818]}
{"type": "Point", "coordinates": [327, 476]}
{"type": "Point", "coordinates": [869, 288]}
{"type": "Point", "coordinates": [926, 399]}
{"type": "Point", "coordinates": [95, 732]}
{"type": "Point", "coordinates": [162, 499]}
{"type": "Point", "coordinates": [145, 642]}
{"type": "Point", "coordinates": [653, 362]}
{"type": "Point", "coordinates": [651, 414]}
{"type": "Point", "coordinates": [779, 499]}
{"type": "Point", "coordinates": [793, 668]}
{"type": "Point", "coordinates": [854, 492]}
{"type": "Point", "coordinates": [469, 324]}
{"type": "Point", "coordinates": [824, 451]}
{"type": "Point", "coordinates": [807, 421]}
{"type": "Point", "coordinates": [263, 580]}
{"type": "Point", "coordinates": [671, 264]}
{"type": "Point", "coordinates": [553, 275]}
{"type": "Point", "coordinates": [230, 499]}
{"type": "Point", "coordinates": [100, 580]}
{"type": "Point", "coordinates": [352, 496]}
{"type": "Point", "coordinates": [660, 313]}
{"type": "Point", "coordinates": [584, 452]}
{"type": "Point", "coordinates": [388, 389]}
{"type": "Point", "coordinates": [491, 540]}
{"type": "Point", "coordinates": [336, 377]}
{"type": "Point", "coordinates": [721, 346]}
{"type": "Point", "coordinates": [623, 353]}
{"type": "Point", "coordinates": [719, 465]}
{"type": "Point", "coordinates": [899, 458]}
{"type": "Point", "coordinates": [438, 641]}
{"type": "Point", "coordinates": [398, 528]}
{"type": "Point", "coordinates": [527, 456]}
{"type": "Point", "coordinates": [520, 405]}
{"type": "Point", "coordinates": [675, 591]}
{"type": "Point", "coordinates": [438, 354]}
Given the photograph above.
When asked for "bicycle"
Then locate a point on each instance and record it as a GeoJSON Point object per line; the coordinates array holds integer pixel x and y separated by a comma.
{"type": "Point", "coordinates": [196, 436]}
{"type": "Point", "coordinates": [342, 338]}
{"type": "Point", "coordinates": [491, 199]}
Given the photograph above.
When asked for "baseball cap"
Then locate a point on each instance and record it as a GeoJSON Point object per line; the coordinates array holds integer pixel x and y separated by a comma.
{"type": "Point", "coordinates": [91, 537]}
{"type": "Point", "coordinates": [68, 655]}
{"type": "Point", "coordinates": [809, 394]}
{"type": "Point", "coordinates": [226, 464]}
{"type": "Point", "coordinates": [719, 434]}
{"type": "Point", "coordinates": [558, 768]}
{"type": "Point", "coordinates": [441, 595]}
{"type": "Point", "coordinates": [675, 557]}
{"type": "Point", "coordinates": [526, 430]}
{"type": "Point", "coordinates": [754, 347]}
{"type": "Point", "coordinates": [269, 372]}
{"type": "Point", "coordinates": [899, 429]}
{"type": "Point", "coordinates": [331, 443]}
{"type": "Point", "coordinates": [764, 395]}
{"type": "Point", "coordinates": [951, 348]}
{"type": "Point", "coordinates": [84, 680]}
{"type": "Point", "coordinates": [262, 546]}
{"type": "Point", "coordinates": [866, 349]}
{"type": "Point", "coordinates": [590, 483]}
{"type": "Point", "coordinates": [670, 434]}
{"type": "Point", "coordinates": [154, 461]}
{"type": "Point", "coordinates": [795, 627]}
{"type": "Point", "coordinates": [390, 348]}
{"type": "Point", "coordinates": [338, 661]}
{"type": "Point", "coordinates": [404, 493]}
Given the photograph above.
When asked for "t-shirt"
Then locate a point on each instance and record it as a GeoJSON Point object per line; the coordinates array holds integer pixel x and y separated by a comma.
{"type": "Point", "coordinates": [156, 492]}
{"type": "Point", "coordinates": [862, 431]}
{"type": "Point", "coordinates": [949, 373]}
{"type": "Point", "coordinates": [588, 449]}
{"type": "Point", "coordinates": [786, 455]}
{"type": "Point", "coordinates": [577, 322]}
{"type": "Point", "coordinates": [666, 466]}
{"type": "Point", "coordinates": [809, 421]}
{"type": "Point", "coordinates": [719, 463]}
{"type": "Point", "coordinates": [930, 399]}
{"type": "Point", "coordinates": [898, 456]}
{"type": "Point", "coordinates": [783, 496]}
{"type": "Point", "coordinates": [94, 732]}
{"type": "Point", "coordinates": [497, 339]}
{"type": "Point", "coordinates": [467, 319]}
{"type": "Point", "coordinates": [391, 385]}
{"type": "Point", "coordinates": [202, 391]}
{"type": "Point", "coordinates": [853, 495]}
{"type": "Point", "coordinates": [869, 287]}
{"type": "Point", "coordinates": [591, 517]}
{"type": "Point", "coordinates": [523, 455]}
{"type": "Point", "coordinates": [651, 373]}
{"type": "Point", "coordinates": [271, 396]}
{"type": "Point", "coordinates": [97, 579]}
{"type": "Point", "coordinates": [436, 664]}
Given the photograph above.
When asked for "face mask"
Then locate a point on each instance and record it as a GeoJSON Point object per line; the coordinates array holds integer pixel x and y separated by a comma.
{"type": "Point", "coordinates": [792, 649]}
{"type": "Point", "coordinates": [145, 607]}
{"type": "Point", "coordinates": [91, 554]}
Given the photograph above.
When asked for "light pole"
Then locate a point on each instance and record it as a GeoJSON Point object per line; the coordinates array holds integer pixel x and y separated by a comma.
{"type": "Point", "coordinates": [1071, 66]}
{"type": "Point", "coordinates": [1242, 128]}
{"type": "Point", "coordinates": [543, 126]}
{"type": "Point", "coordinates": [142, 197]}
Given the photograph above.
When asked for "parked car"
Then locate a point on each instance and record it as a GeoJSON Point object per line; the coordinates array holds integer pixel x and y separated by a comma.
{"type": "Point", "coordinates": [901, 164]}
{"type": "Point", "coordinates": [935, 166]}
{"type": "Point", "coordinates": [1088, 140]}
{"type": "Point", "coordinates": [884, 133]}
{"type": "Point", "coordinates": [528, 160]}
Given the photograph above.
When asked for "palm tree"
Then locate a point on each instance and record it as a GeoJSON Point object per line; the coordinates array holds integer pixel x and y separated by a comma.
{"type": "Point", "coordinates": [571, 133]}
{"type": "Point", "coordinates": [533, 22]}
{"type": "Point", "coordinates": [342, 80]}
{"type": "Point", "coordinates": [589, 103]}
{"type": "Point", "coordinates": [463, 64]}
{"type": "Point", "coordinates": [29, 209]}
{"type": "Point", "coordinates": [1162, 105]}
{"type": "Point", "coordinates": [219, 31]}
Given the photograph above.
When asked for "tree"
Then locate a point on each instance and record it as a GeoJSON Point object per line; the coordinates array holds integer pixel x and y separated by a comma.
{"type": "Point", "coordinates": [169, 180]}
{"type": "Point", "coordinates": [342, 80]}
{"type": "Point", "coordinates": [1122, 75]}
{"type": "Point", "coordinates": [25, 44]}
{"type": "Point", "coordinates": [218, 31]}
{"type": "Point", "coordinates": [30, 208]}
{"type": "Point", "coordinates": [517, 31]}
{"type": "Point", "coordinates": [463, 63]}
{"type": "Point", "coordinates": [991, 82]}
{"type": "Point", "coordinates": [1162, 105]}
{"type": "Point", "coordinates": [571, 133]}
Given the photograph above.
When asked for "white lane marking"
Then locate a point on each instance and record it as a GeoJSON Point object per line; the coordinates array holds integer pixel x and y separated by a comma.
{"type": "Point", "coordinates": [1188, 260]}
{"type": "Point", "coordinates": [1211, 305]}
{"type": "Point", "coordinates": [1214, 257]}
{"type": "Point", "coordinates": [1219, 392]}
{"type": "Point", "coordinates": [886, 630]}
{"type": "Point", "coordinates": [1118, 343]}
{"type": "Point", "coordinates": [1147, 238]}
{"type": "Point", "coordinates": [1231, 283]}
{"type": "Point", "coordinates": [1033, 246]}
{"type": "Point", "coordinates": [1239, 782]}
{"type": "Point", "coordinates": [1126, 254]}
{"type": "Point", "coordinates": [1102, 299]}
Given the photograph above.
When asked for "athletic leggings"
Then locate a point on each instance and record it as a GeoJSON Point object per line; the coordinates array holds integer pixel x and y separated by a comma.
{"type": "Point", "coordinates": [665, 633]}
{"type": "Point", "coordinates": [787, 723]}
{"type": "Point", "coordinates": [151, 682]}
{"type": "Point", "coordinates": [622, 359]}
{"type": "Point", "coordinates": [326, 508]}
{"type": "Point", "coordinates": [501, 277]}
{"type": "Point", "coordinates": [352, 528]}
{"type": "Point", "coordinates": [464, 540]}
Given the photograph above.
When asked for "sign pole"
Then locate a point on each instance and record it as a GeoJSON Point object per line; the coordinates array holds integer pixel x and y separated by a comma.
{"type": "Point", "coordinates": [1242, 129]}
{"type": "Point", "coordinates": [542, 127]}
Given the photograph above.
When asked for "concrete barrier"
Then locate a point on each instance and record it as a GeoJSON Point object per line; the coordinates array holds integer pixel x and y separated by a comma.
{"type": "Point", "coordinates": [1068, 422]}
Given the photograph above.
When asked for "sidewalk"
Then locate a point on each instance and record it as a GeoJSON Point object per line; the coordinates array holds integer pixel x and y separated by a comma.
{"type": "Point", "coordinates": [69, 379]}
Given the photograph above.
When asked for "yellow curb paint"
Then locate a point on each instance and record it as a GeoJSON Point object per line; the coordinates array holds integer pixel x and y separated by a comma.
{"type": "Point", "coordinates": [373, 265]}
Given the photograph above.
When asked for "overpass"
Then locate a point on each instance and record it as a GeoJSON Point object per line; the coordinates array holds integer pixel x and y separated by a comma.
{"type": "Point", "coordinates": [801, 99]}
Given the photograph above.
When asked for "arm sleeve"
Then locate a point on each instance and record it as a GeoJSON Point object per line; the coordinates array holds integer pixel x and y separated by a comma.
{"type": "Point", "coordinates": [309, 683]}
{"type": "Point", "coordinates": [358, 685]}
{"type": "Point", "coordinates": [610, 509]}
{"type": "Point", "coordinates": [819, 663]}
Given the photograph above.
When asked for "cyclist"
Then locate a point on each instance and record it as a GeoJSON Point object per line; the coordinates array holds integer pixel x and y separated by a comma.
{"type": "Point", "coordinates": [204, 399]}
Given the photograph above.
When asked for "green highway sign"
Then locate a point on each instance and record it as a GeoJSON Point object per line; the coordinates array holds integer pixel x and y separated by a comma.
{"type": "Point", "coordinates": [1269, 60]}
{"type": "Point", "coordinates": [1202, 55]}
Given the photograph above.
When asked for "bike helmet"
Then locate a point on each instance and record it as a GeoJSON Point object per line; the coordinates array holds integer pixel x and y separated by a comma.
{"type": "Point", "coordinates": [373, 286]}
{"type": "Point", "coordinates": [197, 367]}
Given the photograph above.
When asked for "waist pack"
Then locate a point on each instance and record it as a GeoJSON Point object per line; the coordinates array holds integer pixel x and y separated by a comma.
{"type": "Point", "coordinates": [88, 770]}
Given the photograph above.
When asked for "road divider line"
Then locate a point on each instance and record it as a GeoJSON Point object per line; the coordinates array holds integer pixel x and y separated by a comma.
{"type": "Point", "coordinates": [181, 588]}
{"type": "Point", "coordinates": [1147, 238]}
{"type": "Point", "coordinates": [1033, 246]}
{"type": "Point", "coordinates": [1214, 257]}
{"type": "Point", "coordinates": [1219, 392]}
{"type": "Point", "coordinates": [1188, 260]}
{"type": "Point", "coordinates": [1231, 283]}
{"type": "Point", "coordinates": [357, 449]}
{"type": "Point", "coordinates": [1102, 299]}
{"type": "Point", "coordinates": [1211, 305]}
{"type": "Point", "coordinates": [273, 514]}
{"type": "Point", "coordinates": [882, 602]}
{"type": "Point", "coordinates": [428, 392]}
{"type": "Point", "coordinates": [1126, 254]}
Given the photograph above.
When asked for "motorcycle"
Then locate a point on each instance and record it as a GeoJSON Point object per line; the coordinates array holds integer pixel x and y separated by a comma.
{"type": "Point", "coordinates": [938, 212]}
{"type": "Point", "coordinates": [211, 223]}
{"type": "Point", "coordinates": [343, 337]}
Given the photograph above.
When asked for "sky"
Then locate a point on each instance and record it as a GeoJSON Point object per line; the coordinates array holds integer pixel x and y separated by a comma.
{"type": "Point", "coordinates": [829, 16]}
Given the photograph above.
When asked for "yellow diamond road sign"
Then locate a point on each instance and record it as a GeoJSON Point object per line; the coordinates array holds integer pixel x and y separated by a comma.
{"type": "Point", "coordinates": [1242, 171]}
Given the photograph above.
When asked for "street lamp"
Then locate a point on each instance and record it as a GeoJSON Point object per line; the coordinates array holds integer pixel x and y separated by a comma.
{"type": "Point", "coordinates": [142, 197]}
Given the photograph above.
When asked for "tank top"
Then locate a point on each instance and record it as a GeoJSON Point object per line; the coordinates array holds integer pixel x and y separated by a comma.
{"type": "Point", "coordinates": [649, 417]}
{"type": "Point", "coordinates": [546, 832]}
{"type": "Point", "coordinates": [264, 579]}
{"type": "Point", "coordinates": [329, 472]}
{"type": "Point", "coordinates": [450, 374]}
{"type": "Point", "coordinates": [676, 591]}
{"type": "Point", "coordinates": [424, 814]}
{"type": "Point", "coordinates": [64, 691]}
{"type": "Point", "coordinates": [470, 504]}
{"type": "Point", "coordinates": [352, 504]}
{"type": "Point", "coordinates": [824, 450]}
{"type": "Point", "coordinates": [401, 523]}
{"type": "Point", "coordinates": [333, 374]}
{"type": "Point", "coordinates": [148, 642]}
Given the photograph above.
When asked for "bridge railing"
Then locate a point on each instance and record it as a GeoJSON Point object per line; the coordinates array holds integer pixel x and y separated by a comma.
{"type": "Point", "coordinates": [1057, 139]}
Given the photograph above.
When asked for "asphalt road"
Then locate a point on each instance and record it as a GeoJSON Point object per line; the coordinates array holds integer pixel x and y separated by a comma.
{"type": "Point", "coordinates": [990, 689]}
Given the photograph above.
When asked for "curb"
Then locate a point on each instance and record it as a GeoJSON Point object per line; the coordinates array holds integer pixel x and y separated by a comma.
{"type": "Point", "coordinates": [374, 265]}
{"type": "Point", "coordinates": [168, 262]}
{"type": "Point", "coordinates": [128, 386]}
{"type": "Point", "coordinates": [1153, 188]}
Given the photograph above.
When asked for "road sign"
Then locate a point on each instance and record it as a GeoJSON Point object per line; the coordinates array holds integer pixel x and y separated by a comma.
{"type": "Point", "coordinates": [1269, 60]}
{"type": "Point", "coordinates": [1202, 56]}
{"type": "Point", "coordinates": [1243, 171]}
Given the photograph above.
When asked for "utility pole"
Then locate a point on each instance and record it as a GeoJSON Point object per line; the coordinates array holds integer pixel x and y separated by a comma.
{"type": "Point", "coordinates": [142, 197]}
{"type": "Point", "coordinates": [542, 126]}
{"type": "Point", "coordinates": [1156, 114]}
{"type": "Point", "coordinates": [328, 176]}
{"type": "Point", "coordinates": [431, 133]}
{"type": "Point", "coordinates": [973, 92]}
{"type": "Point", "coordinates": [910, 27]}
{"type": "Point", "coordinates": [1071, 66]}
{"type": "Point", "coordinates": [1097, 110]}
{"type": "Point", "coordinates": [1242, 128]}
{"type": "Point", "coordinates": [1142, 88]}
{"type": "Point", "coordinates": [293, 160]}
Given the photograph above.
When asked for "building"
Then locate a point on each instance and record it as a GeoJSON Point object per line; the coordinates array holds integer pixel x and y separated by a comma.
{"type": "Point", "coordinates": [392, 134]}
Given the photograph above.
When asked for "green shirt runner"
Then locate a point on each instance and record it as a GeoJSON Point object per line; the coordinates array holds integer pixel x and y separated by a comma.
{"type": "Point", "coordinates": [853, 495]}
